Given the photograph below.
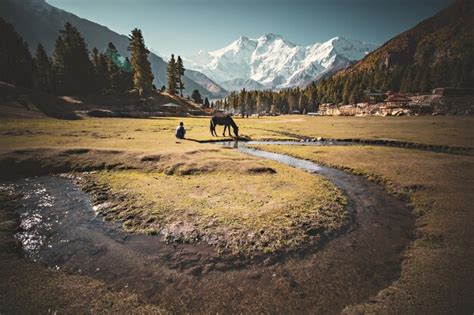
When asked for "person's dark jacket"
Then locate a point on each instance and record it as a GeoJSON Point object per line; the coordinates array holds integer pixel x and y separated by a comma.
{"type": "Point", "coordinates": [180, 132]}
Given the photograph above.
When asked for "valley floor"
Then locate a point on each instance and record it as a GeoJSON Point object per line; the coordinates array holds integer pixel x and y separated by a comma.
{"type": "Point", "coordinates": [138, 164]}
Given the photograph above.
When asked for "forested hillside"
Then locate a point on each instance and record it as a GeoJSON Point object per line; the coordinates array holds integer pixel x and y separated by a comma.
{"type": "Point", "coordinates": [38, 22]}
{"type": "Point", "coordinates": [437, 52]}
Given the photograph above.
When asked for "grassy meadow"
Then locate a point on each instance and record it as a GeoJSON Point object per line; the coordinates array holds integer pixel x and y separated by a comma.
{"type": "Point", "coordinates": [157, 133]}
{"type": "Point", "coordinates": [250, 206]}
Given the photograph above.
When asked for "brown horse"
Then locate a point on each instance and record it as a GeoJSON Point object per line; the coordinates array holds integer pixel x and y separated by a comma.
{"type": "Point", "coordinates": [227, 121]}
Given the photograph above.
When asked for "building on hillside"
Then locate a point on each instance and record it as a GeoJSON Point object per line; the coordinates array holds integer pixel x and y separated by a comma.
{"type": "Point", "coordinates": [373, 96]}
{"type": "Point", "coordinates": [171, 108]}
{"type": "Point", "coordinates": [328, 109]}
{"type": "Point", "coordinates": [396, 100]}
{"type": "Point", "coordinates": [348, 110]}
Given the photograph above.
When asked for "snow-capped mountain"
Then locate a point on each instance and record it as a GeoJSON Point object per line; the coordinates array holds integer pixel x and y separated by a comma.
{"type": "Point", "coordinates": [275, 62]}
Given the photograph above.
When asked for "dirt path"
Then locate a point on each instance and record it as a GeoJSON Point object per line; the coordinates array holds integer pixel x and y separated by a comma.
{"type": "Point", "coordinates": [346, 270]}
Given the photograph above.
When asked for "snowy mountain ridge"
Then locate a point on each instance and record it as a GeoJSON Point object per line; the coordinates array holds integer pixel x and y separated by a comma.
{"type": "Point", "coordinates": [275, 62]}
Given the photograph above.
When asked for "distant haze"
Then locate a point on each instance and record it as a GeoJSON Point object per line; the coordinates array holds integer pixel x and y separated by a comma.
{"type": "Point", "coordinates": [186, 26]}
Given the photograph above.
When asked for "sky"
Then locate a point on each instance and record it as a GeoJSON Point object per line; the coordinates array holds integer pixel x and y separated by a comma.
{"type": "Point", "coordinates": [184, 27]}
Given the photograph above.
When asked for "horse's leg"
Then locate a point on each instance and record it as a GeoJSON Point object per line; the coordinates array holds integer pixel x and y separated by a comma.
{"type": "Point", "coordinates": [230, 135]}
{"type": "Point", "coordinates": [212, 128]}
{"type": "Point", "coordinates": [225, 127]}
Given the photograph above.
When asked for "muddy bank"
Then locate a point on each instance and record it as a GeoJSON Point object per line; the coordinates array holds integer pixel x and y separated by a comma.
{"type": "Point", "coordinates": [346, 270]}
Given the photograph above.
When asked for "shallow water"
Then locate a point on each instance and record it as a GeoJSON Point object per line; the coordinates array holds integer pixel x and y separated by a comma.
{"type": "Point", "coordinates": [61, 229]}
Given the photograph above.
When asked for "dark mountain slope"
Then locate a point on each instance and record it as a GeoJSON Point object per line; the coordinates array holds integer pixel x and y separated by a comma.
{"type": "Point", "coordinates": [437, 52]}
{"type": "Point", "coordinates": [37, 21]}
{"type": "Point", "coordinates": [449, 35]}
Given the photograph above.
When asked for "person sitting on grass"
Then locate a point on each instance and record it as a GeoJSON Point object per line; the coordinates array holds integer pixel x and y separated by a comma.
{"type": "Point", "coordinates": [180, 131]}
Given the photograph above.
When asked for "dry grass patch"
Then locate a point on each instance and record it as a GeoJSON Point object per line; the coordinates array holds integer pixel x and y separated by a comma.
{"type": "Point", "coordinates": [437, 274]}
{"type": "Point", "coordinates": [249, 209]}
{"type": "Point", "coordinates": [158, 133]}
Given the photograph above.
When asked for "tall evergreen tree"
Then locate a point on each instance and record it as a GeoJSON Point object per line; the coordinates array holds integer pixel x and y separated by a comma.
{"type": "Point", "coordinates": [16, 62]}
{"type": "Point", "coordinates": [42, 70]}
{"type": "Point", "coordinates": [179, 75]}
{"type": "Point", "coordinates": [127, 76]}
{"type": "Point", "coordinates": [99, 61]}
{"type": "Point", "coordinates": [73, 70]}
{"type": "Point", "coordinates": [206, 103]}
{"type": "Point", "coordinates": [196, 96]}
{"type": "Point", "coordinates": [250, 103]}
{"type": "Point", "coordinates": [118, 71]}
{"type": "Point", "coordinates": [141, 67]}
{"type": "Point", "coordinates": [292, 101]}
{"type": "Point", "coordinates": [115, 76]}
{"type": "Point", "coordinates": [171, 76]}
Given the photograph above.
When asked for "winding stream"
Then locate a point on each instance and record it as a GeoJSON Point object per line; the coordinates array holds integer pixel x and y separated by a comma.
{"type": "Point", "coordinates": [61, 230]}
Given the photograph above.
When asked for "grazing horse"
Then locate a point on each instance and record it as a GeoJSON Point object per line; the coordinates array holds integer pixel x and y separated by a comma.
{"type": "Point", "coordinates": [227, 121]}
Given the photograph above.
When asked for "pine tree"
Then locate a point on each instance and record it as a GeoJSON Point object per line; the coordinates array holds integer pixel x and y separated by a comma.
{"type": "Point", "coordinates": [73, 70]}
{"type": "Point", "coordinates": [16, 62]}
{"type": "Point", "coordinates": [292, 101]}
{"type": "Point", "coordinates": [196, 96]}
{"type": "Point", "coordinates": [115, 76]}
{"type": "Point", "coordinates": [250, 103]}
{"type": "Point", "coordinates": [206, 103]}
{"type": "Point", "coordinates": [127, 76]}
{"type": "Point", "coordinates": [115, 71]}
{"type": "Point", "coordinates": [259, 102]}
{"type": "Point", "coordinates": [179, 74]}
{"type": "Point", "coordinates": [99, 61]}
{"type": "Point", "coordinates": [171, 76]}
{"type": "Point", "coordinates": [95, 56]}
{"type": "Point", "coordinates": [303, 102]}
{"type": "Point", "coordinates": [233, 101]}
{"type": "Point", "coordinates": [57, 65]}
{"type": "Point", "coordinates": [141, 67]}
{"type": "Point", "coordinates": [42, 69]}
{"type": "Point", "coordinates": [241, 101]}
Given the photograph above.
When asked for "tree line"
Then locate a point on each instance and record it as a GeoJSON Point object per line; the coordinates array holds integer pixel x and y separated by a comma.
{"type": "Point", "coordinates": [268, 101]}
{"type": "Point", "coordinates": [72, 69]}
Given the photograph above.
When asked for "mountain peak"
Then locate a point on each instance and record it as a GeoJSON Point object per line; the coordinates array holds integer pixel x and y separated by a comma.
{"type": "Point", "coordinates": [338, 39]}
{"type": "Point", "coordinates": [270, 36]}
{"type": "Point", "coordinates": [243, 39]}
